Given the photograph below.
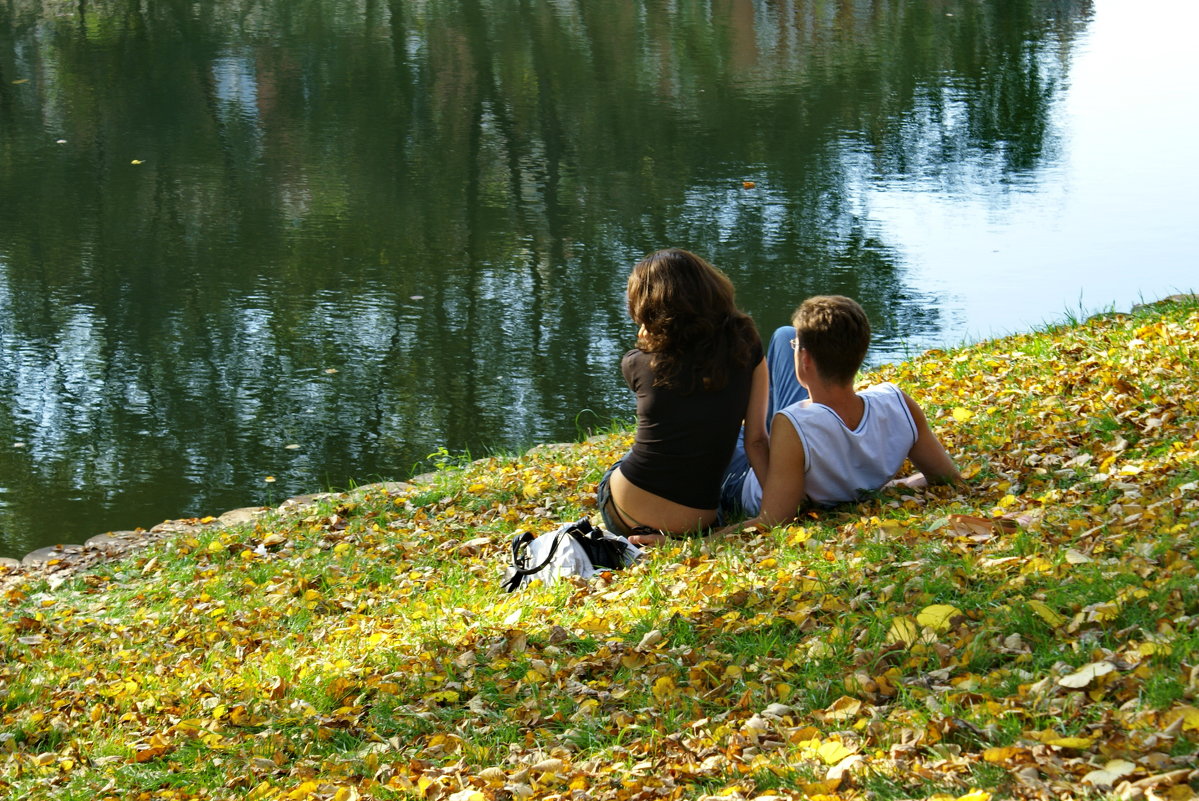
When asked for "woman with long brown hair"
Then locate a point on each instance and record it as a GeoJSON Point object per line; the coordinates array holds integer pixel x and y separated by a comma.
{"type": "Point", "coordinates": [699, 375]}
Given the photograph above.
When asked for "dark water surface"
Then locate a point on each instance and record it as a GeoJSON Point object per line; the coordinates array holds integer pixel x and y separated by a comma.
{"type": "Point", "coordinates": [320, 240]}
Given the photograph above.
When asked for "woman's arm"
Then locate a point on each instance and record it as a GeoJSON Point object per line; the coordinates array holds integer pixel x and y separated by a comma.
{"type": "Point", "coordinates": [783, 491]}
{"type": "Point", "coordinates": [757, 442]}
{"type": "Point", "coordinates": [928, 454]}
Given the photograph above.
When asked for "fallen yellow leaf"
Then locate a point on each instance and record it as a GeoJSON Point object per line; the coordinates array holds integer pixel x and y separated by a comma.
{"type": "Point", "coordinates": [633, 660]}
{"type": "Point", "coordinates": [1188, 714]}
{"type": "Point", "coordinates": [664, 688]}
{"type": "Point", "coordinates": [262, 791]}
{"type": "Point", "coordinates": [937, 616]}
{"type": "Point", "coordinates": [975, 795]}
{"type": "Point", "coordinates": [1111, 773]}
{"type": "Point", "coordinates": [833, 752]}
{"type": "Point", "coordinates": [1070, 742]}
{"type": "Point", "coordinates": [1002, 754]}
{"type": "Point", "coordinates": [844, 708]}
{"type": "Point", "coordinates": [469, 794]}
{"type": "Point", "coordinates": [1086, 674]}
{"type": "Point", "coordinates": [1045, 613]}
{"type": "Point", "coordinates": [903, 629]}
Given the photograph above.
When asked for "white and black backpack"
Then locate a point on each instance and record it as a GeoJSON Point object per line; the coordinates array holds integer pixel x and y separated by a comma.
{"type": "Point", "coordinates": [573, 549]}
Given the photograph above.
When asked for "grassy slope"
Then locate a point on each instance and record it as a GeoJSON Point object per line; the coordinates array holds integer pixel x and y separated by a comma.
{"type": "Point", "coordinates": [1033, 635]}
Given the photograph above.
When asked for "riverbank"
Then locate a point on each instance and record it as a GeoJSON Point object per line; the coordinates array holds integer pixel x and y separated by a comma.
{"type": "Point", "coordinates": [57, 563]}
{"type": "Point", "coordinates": [1033, 634]}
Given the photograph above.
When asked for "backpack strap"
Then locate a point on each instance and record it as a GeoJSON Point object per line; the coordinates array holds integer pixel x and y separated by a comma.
{"type": "Point", "coordinates": [582, 527]}
{"type": "Point", "coordinates": [520, 546]}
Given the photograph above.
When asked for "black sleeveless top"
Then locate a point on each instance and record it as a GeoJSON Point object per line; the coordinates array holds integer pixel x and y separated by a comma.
{"type": "Point", "coordinates": [684, 441]}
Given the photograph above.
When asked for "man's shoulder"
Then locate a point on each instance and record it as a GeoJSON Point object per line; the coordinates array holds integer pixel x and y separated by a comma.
{"type": "Point", "coordinates": [800, 407]}
{"type": "Point", "coordinates": [885, 388]}
{"type": "Point", "coordinates": [888, 398]}
{"type": "Point", "coordinates": [892, 406]}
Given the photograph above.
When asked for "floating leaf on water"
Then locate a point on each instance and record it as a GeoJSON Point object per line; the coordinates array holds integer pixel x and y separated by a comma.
{"type": "Point", "coordinates": [137, 161]}
{"type": "Point", "coordinates": [291, 447]}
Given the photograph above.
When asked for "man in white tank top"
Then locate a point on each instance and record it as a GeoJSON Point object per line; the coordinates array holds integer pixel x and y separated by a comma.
{"type": "Point", "coordinates": [837, 443]}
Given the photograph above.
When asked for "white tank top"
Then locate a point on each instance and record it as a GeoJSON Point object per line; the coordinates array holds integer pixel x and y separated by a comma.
{"type": "Point", "coordinates": [840, 464]}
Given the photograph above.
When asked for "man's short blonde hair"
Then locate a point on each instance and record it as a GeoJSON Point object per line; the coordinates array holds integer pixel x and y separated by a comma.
{"type": "Point", "coordinates": [834, 329]}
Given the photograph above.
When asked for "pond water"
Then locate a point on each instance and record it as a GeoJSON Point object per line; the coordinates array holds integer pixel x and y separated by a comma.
{"type": "Point", "coordinates": [320, 241]}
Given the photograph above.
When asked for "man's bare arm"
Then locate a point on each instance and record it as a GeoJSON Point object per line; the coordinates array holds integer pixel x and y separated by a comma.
{"type": "Point", "coordinates": [928, 454]}
{"type": "Point", "coordinates": [784, 489]}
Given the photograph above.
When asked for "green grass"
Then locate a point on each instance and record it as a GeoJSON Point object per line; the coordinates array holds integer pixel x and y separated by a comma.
{"type": "Point", "coordinates": [371, 649]}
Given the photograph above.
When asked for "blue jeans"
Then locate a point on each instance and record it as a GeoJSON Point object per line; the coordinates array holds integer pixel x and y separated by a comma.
{"type": "Point", "coordinates": [785, 390]}
{"type": "Point", "coordinates": [603, 494]}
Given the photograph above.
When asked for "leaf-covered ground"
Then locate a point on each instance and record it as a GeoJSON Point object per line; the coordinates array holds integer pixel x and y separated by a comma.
{"type": "Point", "coordinates": [1033, 634]}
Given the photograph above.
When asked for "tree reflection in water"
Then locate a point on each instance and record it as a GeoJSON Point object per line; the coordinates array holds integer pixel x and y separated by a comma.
{"type": "Point", "coordinates": [439, 201]}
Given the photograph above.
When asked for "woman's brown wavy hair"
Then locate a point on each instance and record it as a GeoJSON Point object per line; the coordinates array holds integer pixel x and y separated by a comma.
{"type": "Point", "coordinates": [693, 330]}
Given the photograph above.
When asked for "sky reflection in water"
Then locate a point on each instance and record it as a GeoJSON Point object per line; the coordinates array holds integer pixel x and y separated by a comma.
{"type": "Point", "coordinates": [374, 230]}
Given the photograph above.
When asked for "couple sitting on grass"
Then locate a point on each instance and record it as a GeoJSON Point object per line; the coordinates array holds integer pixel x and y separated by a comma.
{"type": "Point", "coordinates": [725, 431]}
